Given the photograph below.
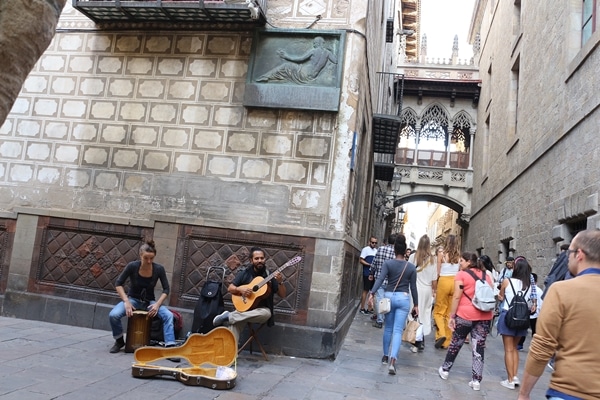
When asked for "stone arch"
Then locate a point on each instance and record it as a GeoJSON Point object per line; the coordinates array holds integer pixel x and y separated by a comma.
{"type": "Point", "coordinates": [444, 200]}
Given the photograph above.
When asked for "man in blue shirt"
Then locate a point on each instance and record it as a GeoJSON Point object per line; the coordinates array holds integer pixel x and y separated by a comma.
{"type": "Point", "coordinates": [366, 258]}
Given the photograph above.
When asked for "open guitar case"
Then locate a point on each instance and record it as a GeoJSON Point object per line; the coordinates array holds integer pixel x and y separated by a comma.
{"type": "Point", "coordinates": [210, 357]}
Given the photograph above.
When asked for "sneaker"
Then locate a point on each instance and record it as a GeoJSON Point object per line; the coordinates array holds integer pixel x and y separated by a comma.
{"type": "Point", "coordinates": [551, 364]}
{"type": "Point", "coordinates": [377, 325]}
{"type": "Point", "coordinates": [414, 349]}
{"type": "Point", "coordinates": [443, 374]}
{"type": "Point", "coordinates": [119, 344]}
{"type": "Point", "coordinates": [222, 319]}
{"type": "Point", "coordinates": [475, 385]}
{"type": "Point", "coordinates": [363, 311]}
{"type": "Point", "coordinates": [516, 381]}
{"type": "Point", "coordinates": [384, 359]}
{"type": "Point", "coordinates": [508, 385]}
{"type": "Point", "coordinates": [370, 311]}
{"type": "Point", "coordinates": [519, 347]}
{"type": "Point", "coordinates": [392, 368]}
{"type": "Point", "coordinates": [440, 342]}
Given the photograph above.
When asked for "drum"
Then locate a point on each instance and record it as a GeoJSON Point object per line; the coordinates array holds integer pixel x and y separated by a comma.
{"type": "Point", "coordinates": [138, 331]}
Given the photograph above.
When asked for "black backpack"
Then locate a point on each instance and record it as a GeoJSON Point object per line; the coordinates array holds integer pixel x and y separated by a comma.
{"type": "Point", "coordinates": [518, 314]}
{"type": "Point", "coordinates": [209, 304]}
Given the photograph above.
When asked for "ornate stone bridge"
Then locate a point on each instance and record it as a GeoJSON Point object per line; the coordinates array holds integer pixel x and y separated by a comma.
{"type": "Point", "coordinates": [423, 136]}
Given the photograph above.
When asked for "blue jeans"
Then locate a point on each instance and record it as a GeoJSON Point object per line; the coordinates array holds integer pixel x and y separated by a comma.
{"type": "Point", "coordinates": [395, 321]}
{"type": "Point", "coordinates": [118, 312]}
{"type": "Point", "coordinates": [378, 296]}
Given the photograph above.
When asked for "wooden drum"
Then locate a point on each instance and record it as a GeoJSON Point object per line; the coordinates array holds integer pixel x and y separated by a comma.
{"type": "Point", "coordinates": [138, 331]}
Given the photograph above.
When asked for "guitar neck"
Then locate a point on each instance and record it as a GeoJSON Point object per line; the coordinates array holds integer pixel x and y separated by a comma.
{"type": "Point", "coordinates": [271, 276]}
{"type": "Point", "coordinates": [293, 261]}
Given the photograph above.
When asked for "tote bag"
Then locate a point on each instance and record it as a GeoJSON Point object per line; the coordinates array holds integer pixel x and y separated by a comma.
{"type": "Point", "coordinates": [410, 332]}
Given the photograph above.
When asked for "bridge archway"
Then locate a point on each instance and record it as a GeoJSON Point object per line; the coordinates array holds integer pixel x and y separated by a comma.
{"type": "Point", "coordinates": [430, 197]}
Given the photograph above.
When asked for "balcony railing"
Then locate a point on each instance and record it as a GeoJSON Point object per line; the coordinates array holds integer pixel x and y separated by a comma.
{"type": "Point", "coordinates": [432, 158]}
{"type": "Point", "coordinates": [168, 11]}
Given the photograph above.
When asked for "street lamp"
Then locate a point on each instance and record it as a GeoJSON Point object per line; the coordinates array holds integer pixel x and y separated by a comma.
{"type": "Point", "coordinates": [382, 200]}
{"type": "Point", "coordinates": [400, 221]}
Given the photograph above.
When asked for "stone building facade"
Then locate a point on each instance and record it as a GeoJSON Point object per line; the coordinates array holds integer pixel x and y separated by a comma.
{"type": "Point", "coordinates": [535, 180]}
{"type": "Point", "coordinates": [123, 133]}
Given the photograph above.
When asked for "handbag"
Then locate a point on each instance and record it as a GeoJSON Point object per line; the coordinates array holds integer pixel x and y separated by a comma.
{"type": "Point", "coordinates": [410, 331]}
{"type": "Point", "coordinates": [384, 305]}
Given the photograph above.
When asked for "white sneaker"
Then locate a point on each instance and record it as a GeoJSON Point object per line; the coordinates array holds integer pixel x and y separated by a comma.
{"type": "Point", "coordinates": [475, 385]}
{"type": "Point", "coordinates": [516, 381]}
{"type": "Point", "coordinates": [413, 349]}
{"type": "Point", "coordinates": [221, 319]}
{"type": "Point", "coordinates": [443, 374]}
{"type": "Point", "coordinates": [508, 385]}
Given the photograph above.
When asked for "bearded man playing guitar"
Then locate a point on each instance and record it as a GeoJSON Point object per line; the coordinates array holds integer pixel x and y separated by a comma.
{"type": "Point", "coordinates": [244, 287]}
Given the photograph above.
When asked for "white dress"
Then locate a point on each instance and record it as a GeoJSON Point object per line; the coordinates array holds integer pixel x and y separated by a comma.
{"type": "Point", "coordinates": [425, 275]}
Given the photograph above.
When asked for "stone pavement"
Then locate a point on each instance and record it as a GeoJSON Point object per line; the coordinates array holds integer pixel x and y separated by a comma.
{"type": "Point", "coordinates": [40, 360]}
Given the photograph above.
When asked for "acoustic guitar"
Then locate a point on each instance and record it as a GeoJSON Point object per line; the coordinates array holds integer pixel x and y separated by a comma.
{"type": "Point", "coordinates": [259, 288]}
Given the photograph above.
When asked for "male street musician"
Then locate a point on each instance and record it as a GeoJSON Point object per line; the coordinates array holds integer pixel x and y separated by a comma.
{"type": "Point", "coordinates": [249, 306]}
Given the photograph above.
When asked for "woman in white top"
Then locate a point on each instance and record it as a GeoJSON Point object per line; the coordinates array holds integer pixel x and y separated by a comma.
{"type": "Point", "coordinates": [447, 268]}
{"type": "Point", "coordinates": [426, 283]}
{"type": "Point", "coordinates": [510, 337]}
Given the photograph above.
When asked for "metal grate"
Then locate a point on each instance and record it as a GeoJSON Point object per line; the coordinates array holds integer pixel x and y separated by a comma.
{"type": "Point", "coordinates": [385, 133]}
{"type": "Point", "coordinates": [192, 11]}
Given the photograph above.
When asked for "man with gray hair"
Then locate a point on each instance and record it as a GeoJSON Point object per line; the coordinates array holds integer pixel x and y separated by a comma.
{"type": "Point", "coordinates": [567, 325]}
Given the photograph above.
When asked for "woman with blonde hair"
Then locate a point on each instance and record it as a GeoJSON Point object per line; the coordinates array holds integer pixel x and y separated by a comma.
{"type": "Point", "coordinates": [447, 268]}
{"type": "Point", "coordinates": [426, 283]}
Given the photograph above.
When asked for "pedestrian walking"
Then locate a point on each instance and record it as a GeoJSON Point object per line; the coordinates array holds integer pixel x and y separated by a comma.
{"type": "Point", "coordinates": [568, 325]}
{"type": "Point", "coordinates": [425, 262]}
{"type": "Point", "coordinates": [518, 282]}
{"type": "Point", "coordinates": [402, 278]}
{"type": "Point", "coordinates": [466, 319]}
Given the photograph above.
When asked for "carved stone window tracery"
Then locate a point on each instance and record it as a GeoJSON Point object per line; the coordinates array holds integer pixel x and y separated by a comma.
{"type": "Point", "coordinates": [408, 123]}
{"type": "Point", "coordinates": [461, 131]}
{"type": "Point", "coordinates": [434, 124]}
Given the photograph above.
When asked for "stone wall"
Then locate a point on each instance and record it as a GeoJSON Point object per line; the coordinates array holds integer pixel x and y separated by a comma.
{"type": "Point", "coordinates": [537, 186]}
{"type": "Point", "coordinates": [144, 132]}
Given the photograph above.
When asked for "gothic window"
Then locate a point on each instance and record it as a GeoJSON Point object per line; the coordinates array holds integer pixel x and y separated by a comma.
{"type": "Point", "coordinates": [408, 123]}
{"type": "Point", "coordinates": [461, 129]}
{"type": "Point", "coordinates": [434, 124]}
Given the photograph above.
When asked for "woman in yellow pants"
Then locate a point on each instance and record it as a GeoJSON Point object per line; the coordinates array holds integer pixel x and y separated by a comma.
{"type": "Point", "coordinates": [447, 267]}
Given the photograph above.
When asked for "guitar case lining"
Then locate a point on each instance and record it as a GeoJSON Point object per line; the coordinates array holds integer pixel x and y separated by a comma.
{"type": "Point", "coordinates": [210, 356]}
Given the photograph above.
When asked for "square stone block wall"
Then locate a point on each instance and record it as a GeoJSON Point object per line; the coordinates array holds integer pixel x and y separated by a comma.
{"type": "Point", "coordinates": [144, 123]}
